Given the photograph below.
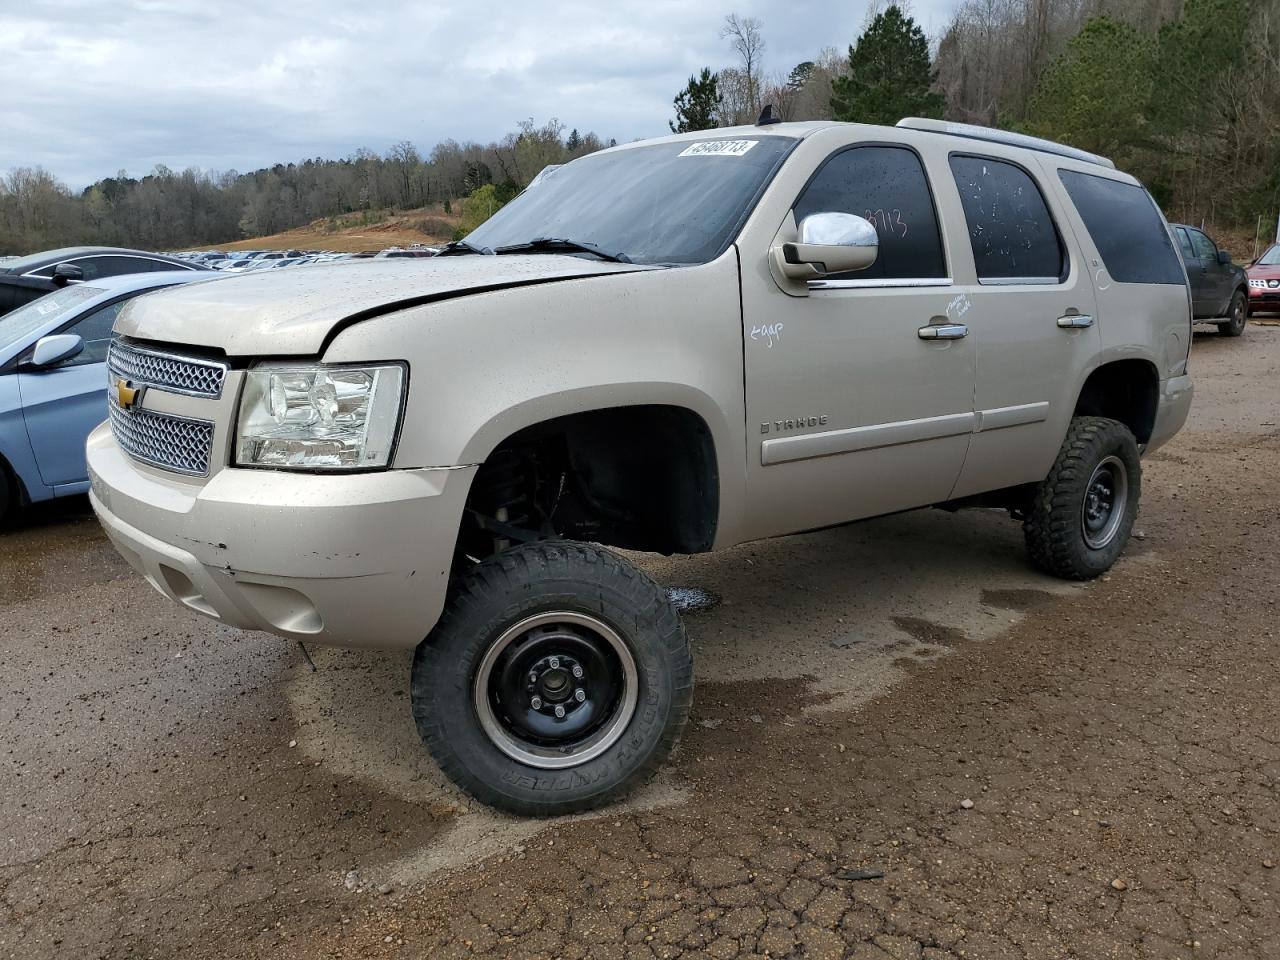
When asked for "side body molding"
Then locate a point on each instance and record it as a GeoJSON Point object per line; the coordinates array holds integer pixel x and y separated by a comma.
{"type": "Point", "coordinates": [830, 442]}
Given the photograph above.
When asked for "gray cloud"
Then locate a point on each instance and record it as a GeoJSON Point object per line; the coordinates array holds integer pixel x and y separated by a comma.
{"type": "Point", "coordinates": [92, 86]}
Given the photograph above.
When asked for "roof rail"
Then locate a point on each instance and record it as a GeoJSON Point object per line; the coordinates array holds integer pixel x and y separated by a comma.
{"type": "Point", "coordinates": [974, 132]}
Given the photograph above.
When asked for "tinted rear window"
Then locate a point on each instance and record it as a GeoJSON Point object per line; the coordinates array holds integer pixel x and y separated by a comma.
{"type": "Point", "coordinates": [1010, 229]}
{"type": "Point", "coordinates": [1127, 229]}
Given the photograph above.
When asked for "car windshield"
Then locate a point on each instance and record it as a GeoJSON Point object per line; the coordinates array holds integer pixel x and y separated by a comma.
{"type": "Point", "coordinates": [680, 202]}
{"type": "Point", "coordinates": [1271, 258]}
{"type": "Point", "coordinates": [19, 324]}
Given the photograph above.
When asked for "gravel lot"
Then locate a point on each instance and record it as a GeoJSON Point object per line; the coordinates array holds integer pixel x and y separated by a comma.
{"type": "Point", "coordinates": [1033, 769]}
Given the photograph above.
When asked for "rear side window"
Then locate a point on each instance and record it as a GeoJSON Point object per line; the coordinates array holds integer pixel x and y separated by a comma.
{"type": "Point", "coordinates": [117, 266]}
{"type": "Point", "coordinates": [1010, 229]}
{"type": "Point", "coordinates": [1126, 227]}
{"type": "Point", "coordinates": [886, 185]}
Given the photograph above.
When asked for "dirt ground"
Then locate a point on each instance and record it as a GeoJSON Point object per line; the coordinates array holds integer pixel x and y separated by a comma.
{"type": "Point", "coordinates": [905, 744]}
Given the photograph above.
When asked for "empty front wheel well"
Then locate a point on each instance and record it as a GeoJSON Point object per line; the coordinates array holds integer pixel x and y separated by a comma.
{"type": "Point", "coordinates": [1124, 390]}
{"type": "Point", "coordinates": [638, 478]}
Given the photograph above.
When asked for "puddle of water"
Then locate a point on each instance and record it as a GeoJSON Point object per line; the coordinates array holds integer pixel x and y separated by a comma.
{"type": "Point", "coordinates": [692, 599]}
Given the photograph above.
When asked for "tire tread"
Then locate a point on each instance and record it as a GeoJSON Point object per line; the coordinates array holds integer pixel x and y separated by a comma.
{"type": "Point", "coordinates": [1051, 528]}
{"type": "Point", "coordinates": [492, 585]}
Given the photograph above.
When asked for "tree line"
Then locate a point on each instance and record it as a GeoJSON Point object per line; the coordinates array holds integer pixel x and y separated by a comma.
{"type": "Point", "coordinates": [1184, 94]}
{"type": "Point", "coordinates": [167, 210]}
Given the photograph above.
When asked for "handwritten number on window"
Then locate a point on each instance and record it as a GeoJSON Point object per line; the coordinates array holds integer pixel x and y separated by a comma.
{"type": "Point", "coordinates": [888, 222]}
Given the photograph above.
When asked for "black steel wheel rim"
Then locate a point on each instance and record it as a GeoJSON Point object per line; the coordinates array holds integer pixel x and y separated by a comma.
{"type": "Point", "coordinates": [556, 690]}
{"type": "Point", "coordinates": [1105, 499]}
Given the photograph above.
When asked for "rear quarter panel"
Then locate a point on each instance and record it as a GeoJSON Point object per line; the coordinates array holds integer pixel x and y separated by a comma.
{"type": "Point", "coordinates": [1147, 321]}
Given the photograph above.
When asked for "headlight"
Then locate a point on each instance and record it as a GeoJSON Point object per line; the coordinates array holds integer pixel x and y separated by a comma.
{"type": "Point", "coordinates": [319, 416]}
{"type": "Point", "coordinates": [1257, 283]}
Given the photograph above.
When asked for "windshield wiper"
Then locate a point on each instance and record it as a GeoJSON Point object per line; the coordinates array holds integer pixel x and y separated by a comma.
{"type": "Point", "coordinates": [561, 243]}
{"type": "Point", "coordinates": [457, 247]}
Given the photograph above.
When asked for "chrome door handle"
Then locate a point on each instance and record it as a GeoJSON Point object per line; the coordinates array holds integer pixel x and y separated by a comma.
{"type": "Point", "coordinates": [943, 331]}
{"type": "Point", "coordinates": [1075, 321]}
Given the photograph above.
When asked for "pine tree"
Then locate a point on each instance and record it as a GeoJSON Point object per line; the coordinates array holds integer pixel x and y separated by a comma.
{"type": "Point", "coordinates": [889, 74]}
{"type": "Point", "coordinates": [698, 104]}
{"type": "Point", "coordinates": [574, 141]}
{"type": "Point", "coordinates": [1097, 94]}
{"type": "Point", "coordinates": [800, 74]}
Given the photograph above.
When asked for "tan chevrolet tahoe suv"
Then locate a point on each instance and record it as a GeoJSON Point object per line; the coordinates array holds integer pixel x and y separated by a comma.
{"type": "Point", "coordinates": [676, 346]}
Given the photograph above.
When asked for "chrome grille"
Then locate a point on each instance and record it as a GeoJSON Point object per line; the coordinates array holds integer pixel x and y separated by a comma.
{"type": "Point", "coordinates": [188, 375]}
{"type": "Point", "coordinates": [181, 444]}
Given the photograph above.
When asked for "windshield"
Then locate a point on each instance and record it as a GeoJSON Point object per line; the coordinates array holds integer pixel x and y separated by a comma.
{"type": "Point", "coordinates": [21, 323]}
{"type": "Point", "coordinates": [679, 202]}
{"type": "Point", "coordinates": [1271, 258]}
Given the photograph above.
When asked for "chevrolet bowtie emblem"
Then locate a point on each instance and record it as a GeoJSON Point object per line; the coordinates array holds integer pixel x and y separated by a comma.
{"type": "Point", "coordinates": [127, 395]}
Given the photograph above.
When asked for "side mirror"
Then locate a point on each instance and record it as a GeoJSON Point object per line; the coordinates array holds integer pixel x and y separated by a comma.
{"type": "Point", "coordinates": [65, 273]}
{"type": "Point", "coordinates": [55, 349]}
{"type": "Point", "coordinates": [829, 243]}
{"type": "Point", "coordinates": [1224, 258]}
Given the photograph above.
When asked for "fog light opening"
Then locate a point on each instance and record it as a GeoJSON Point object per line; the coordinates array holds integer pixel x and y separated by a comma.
{"type": "Point", "coordinates": [185, 592]}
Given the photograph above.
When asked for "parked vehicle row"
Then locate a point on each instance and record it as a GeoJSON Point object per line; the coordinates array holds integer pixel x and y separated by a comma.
{"type": "Point", "coordinates": [23, 279]}
{"type": "Point", "coordinates": [248, 260]}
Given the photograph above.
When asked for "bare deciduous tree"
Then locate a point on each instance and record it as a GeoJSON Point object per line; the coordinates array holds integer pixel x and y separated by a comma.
{"type": "Point", "coordinates": [747, 41]}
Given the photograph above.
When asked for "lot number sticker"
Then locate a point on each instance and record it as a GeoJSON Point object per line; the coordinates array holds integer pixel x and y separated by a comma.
{"type": "Point", "coordinates": [718, 148]}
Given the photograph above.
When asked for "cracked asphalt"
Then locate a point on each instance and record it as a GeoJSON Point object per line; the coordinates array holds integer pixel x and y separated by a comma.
{"type": "Point", "coordinates": [905, 744]}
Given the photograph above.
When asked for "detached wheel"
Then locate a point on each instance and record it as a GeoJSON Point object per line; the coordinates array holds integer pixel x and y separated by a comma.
{"type": "Point", "coordinates": [558, 679]}
{"type": "Point", "coordinates": [1238, 314]}
{"type": "Point", "coordinates": [1083, 512]}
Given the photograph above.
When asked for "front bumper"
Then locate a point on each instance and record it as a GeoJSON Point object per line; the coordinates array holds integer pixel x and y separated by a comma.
{"type": "Point", "coordinates": [1264, 298]}
{"type": "Point", "coordinates": [1171, 411]}
{"type": "Point", "coordinates": [352, 560]}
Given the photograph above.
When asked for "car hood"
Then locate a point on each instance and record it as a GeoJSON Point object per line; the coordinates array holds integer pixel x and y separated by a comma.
{"type": "Point", "coordinates": [296, 311]}
{"type": "Point", "coordinates": [1260, 272]}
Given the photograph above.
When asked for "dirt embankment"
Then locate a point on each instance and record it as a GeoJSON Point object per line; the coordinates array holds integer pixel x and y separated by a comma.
{"type": "Point", "coordinates": [353, 233]}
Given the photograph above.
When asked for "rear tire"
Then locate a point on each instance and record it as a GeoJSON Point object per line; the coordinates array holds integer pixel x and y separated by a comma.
{"type": "Point", "coordinates": [1238, 313]}
{"type": "Point", "coordinates": [558, 679]}
{"type": "Point", "coordinates": [1083, 512]}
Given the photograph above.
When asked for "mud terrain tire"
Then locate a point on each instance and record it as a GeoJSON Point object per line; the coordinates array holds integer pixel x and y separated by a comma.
{"type": "Point", "coordinates": [557, 680]}
{"type": "Point", "coordinates": [1082, 513]}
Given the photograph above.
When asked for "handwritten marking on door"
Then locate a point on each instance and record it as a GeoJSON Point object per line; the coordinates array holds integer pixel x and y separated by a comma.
{"type": "Point", "coordinates": [958, 307]}
{"type": "Point", "coordinates": [769, 332]}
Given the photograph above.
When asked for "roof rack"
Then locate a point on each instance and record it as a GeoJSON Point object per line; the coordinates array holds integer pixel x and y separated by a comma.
{"type": "Point", "coordinates": [974, 132]}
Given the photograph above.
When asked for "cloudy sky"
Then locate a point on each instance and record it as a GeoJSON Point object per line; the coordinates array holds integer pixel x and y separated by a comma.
{"type": "Point", "coordinates": [90, 87]}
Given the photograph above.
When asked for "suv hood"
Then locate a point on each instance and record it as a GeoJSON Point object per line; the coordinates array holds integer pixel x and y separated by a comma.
{"type": "Point", "coordinates": [1260, 272]}
{"type": "Point", "coordinates": [294, 311]}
